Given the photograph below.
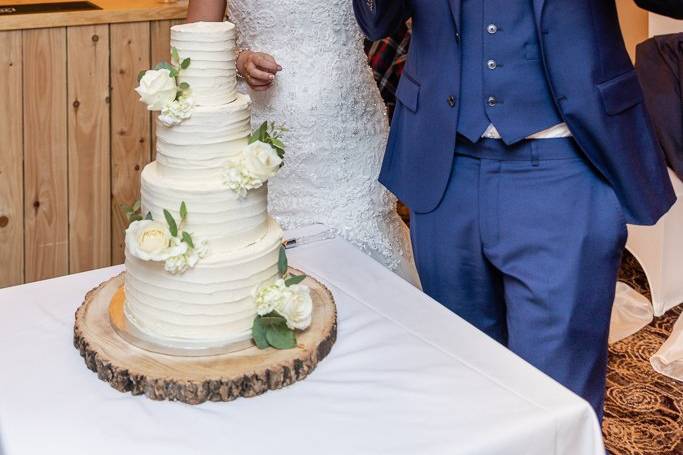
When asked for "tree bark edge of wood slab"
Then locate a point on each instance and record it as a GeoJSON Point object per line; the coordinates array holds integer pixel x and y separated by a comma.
{"type": "Point", "coordinates": [225, 378]}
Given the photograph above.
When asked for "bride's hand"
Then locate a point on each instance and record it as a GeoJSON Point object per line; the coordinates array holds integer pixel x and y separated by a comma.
{"type": "Point", "coordinates": [258, 69]}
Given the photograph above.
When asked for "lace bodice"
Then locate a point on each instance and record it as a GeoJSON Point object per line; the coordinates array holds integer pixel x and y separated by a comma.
{"type": "Point", "coordinates": [327, 97]}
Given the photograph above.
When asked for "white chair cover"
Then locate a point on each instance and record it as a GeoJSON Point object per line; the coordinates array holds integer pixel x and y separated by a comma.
{"type": "Point", "coordinates": [659, 250]}
{"type": "Point", "coordinates": [631, 312]}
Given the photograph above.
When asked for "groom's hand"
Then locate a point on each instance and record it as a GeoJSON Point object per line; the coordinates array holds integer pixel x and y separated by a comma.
{"type": "Point", "coordinates": [258, 69]}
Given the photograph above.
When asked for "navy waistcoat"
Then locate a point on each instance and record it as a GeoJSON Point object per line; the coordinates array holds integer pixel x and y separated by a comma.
{"type": "Point", "coordinates": [503, 80]}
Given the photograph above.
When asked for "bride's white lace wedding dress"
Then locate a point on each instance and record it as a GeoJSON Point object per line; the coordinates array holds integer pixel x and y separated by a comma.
{"type": "Point", "coordinates": [327, 98]}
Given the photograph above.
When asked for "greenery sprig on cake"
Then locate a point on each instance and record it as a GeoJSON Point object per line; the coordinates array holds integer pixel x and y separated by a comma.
{"type": "Point", "coordinates": [282, 307]}
{"type": "Point", "coordinates": [161, 90]}
{"type": "Point", "coordinates": [259, 160]}
{"type": "Point", "coordinates": [169, 242]}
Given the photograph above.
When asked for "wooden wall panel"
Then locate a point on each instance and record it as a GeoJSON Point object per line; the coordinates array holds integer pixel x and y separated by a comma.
{"type": "Point", "coordinates": [11, 161]}
{"type": "Point", "coordinates": [130, 123]}
{"type": "Point", "coordinates": [45, 154]}
{"type": "Point", "coordinates": [89, 159]}
{"type": "Point", "coordinates": [160, 45]}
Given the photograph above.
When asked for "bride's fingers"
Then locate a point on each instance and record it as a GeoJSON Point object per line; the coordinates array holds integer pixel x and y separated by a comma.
{"type": "Point", "coordinates": [259, 75]}
{"type": "Point", "coordinates": [267, 63]}
{"type": "Point", "coordinates": [260, 88]}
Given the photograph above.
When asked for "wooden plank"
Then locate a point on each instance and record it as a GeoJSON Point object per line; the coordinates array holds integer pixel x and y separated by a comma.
{"type": "Point", "coordinates": [45, 154]}
{"type": "Point", "coordinates": [11, 161]}
{"type": "Point", "coordinates": [89, 160]}
{"type": "Point", "coordinates": [130, 123]}
{"type": "Point", "coordinates": [160, 36]}
{"type": "Point", "coordinates": [113, 11]}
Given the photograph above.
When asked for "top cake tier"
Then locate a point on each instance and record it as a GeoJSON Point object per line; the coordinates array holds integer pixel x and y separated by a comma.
{"type": "Point", "coordinates": [211, 49]}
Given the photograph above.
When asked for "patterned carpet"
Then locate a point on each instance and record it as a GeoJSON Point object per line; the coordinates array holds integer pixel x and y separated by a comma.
{"type": "Point", "coordinates": [643, 409]}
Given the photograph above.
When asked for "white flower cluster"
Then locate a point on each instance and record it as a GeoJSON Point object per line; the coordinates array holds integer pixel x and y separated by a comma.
{"type": "Point", "coordinates": [293, 302]}
{"type": "Point", "coordinates": [150, 240]}
{"type": "Point", "coordinates": [176, 111]}
{"type": "Point", "coordinates": [183, 262]}
{"type": "Point", "coordinates": [255, 165]}
{"type": "Point", "coordinates": [159, 90]}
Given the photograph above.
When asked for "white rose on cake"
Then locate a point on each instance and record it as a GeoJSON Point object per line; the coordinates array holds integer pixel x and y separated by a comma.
{"type": "Point", "coordinates": [293, 303]}
{"type": "Point", "coordinates": [176, 111]}
{"type": "Point", "coordinates": [157, 89]}
{"type": "Point", "coordinates": [151, 241]}
{"type": "Point", "coordinates": [297, 307]}
{"type": "Point", "coordinates": [261, 161]}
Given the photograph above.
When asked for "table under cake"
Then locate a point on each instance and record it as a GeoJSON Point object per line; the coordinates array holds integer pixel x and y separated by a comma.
{"type": "Point", "coordinates": [406, 376]}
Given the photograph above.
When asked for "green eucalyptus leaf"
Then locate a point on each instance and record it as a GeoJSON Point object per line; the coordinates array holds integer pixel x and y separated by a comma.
{"type": "Point", "coordinates": [172, 226]}
{"type": "Point", "coordinates": [141, 74]}
{"type": "Point", "coordinates": [148, 216]}
{"type": "Point", "coordinates": [174, 55]}
{"type": "Point", "coordinates": [165, 65]}
{"type": "Point", "coordinates": [258, 333]}
{"type": "Point", "coordinates": [272, 319]}
{"type": "Point", "coordinates": [187, 238]}
{"type": "Point", "coordinates": [262, 131]}
{"type": "Point", "coordinates": [294, 279]}
{"type": "Point", "coordinates": [282, 264]}
{"type": "Point", "coordinates": [135, 217]}
{"type": "Point", "coordinates": [183, 211]}
{"type": "Point", "coordinates": [277, 143]}
{"type": "Point", "coordinates": [281, 337]}
{"type": "Point", "coordinates": [184, 86]}
{"type": "Point", "coordinates": [185, 64]}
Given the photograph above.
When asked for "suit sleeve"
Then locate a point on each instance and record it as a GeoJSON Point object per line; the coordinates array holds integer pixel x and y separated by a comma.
{"type": "Point", "coordinates": [671, 8]}
{"type": "Point", "coordinates": [380, 18]}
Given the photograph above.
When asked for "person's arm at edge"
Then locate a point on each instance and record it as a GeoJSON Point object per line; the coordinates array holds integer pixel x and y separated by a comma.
{"type": "Point", "coordinates": [206, 10]}
{"type": "Point", "coordinates": [380, 18]}
{"type": "Point", "coordinates": [258, 69]}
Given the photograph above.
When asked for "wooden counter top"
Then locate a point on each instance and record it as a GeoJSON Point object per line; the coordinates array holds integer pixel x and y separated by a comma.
{"type": "Point", "coordinates": [113, 11]}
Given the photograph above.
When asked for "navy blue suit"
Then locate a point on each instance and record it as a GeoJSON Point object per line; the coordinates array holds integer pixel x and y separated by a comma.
{"type": "Point", "coordinates": [591, 76]}
{"type": "Point", "coordinates": [523, 238]}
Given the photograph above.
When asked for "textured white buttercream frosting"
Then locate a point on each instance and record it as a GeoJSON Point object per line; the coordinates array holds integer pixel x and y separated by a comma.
{"type": "Point", "coordinates": [216, 214]}
{"type": "Point", "coordinates": [199, 147]}
{"type": "Point", "coordinates": [211, 49]}
{"type": "Point", "coordinates": [212, 302]}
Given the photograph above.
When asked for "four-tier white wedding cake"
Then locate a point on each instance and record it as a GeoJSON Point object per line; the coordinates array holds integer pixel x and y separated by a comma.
{"type": "Point", "coordinates": [200, 246]}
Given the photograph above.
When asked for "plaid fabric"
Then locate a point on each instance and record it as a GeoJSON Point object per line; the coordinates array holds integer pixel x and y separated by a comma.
{"type": "Point", "coordinates": [387, 58]}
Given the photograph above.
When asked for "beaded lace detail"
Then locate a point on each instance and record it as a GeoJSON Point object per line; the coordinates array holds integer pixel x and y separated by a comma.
{"type": "Point", "coordinates": [327, 97]}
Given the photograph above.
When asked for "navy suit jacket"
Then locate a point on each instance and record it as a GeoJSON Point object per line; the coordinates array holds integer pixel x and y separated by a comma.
{"type": "Point", "coordinates": [594, 86]}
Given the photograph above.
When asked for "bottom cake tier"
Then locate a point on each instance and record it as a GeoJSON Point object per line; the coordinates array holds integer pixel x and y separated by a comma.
{"type": "Point", "coordinates": [210, 304]}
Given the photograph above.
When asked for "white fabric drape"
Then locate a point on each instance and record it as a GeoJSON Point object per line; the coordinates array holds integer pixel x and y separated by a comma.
{"type": "Point", "coordinates": [630, 313]}
{"type": "Point", "coordinates": [406, 376]}
{"type": "Point", "coordinates": [668, 360]}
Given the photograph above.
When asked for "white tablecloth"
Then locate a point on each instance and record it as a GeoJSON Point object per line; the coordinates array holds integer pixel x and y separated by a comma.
{"type": "Point", "coordinates": [406, 376]}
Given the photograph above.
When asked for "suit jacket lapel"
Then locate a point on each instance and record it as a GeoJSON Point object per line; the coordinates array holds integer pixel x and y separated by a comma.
{"type": "Point", "coordinates": [455, 12]}
{"type": "Point", "coordinates": [538, 10]}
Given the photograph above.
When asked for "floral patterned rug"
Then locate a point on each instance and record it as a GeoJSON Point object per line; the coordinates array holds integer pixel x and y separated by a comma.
{"type": "Point", "coordinates": [643, 409]}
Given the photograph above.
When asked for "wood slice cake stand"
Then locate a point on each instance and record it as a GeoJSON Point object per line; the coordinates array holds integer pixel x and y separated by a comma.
{"type": "Point", "coordinates": [193, 380]}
